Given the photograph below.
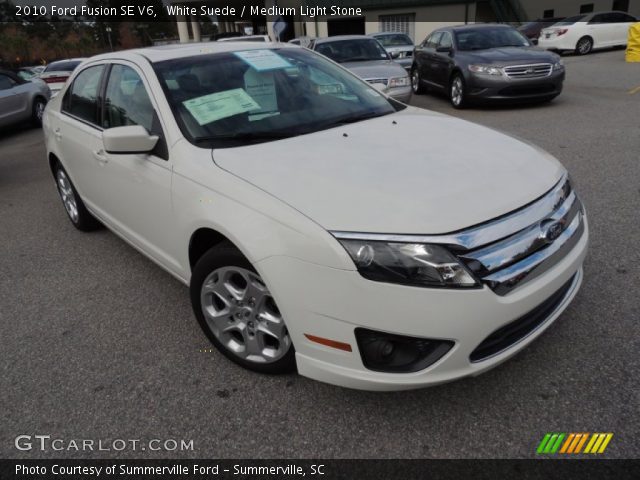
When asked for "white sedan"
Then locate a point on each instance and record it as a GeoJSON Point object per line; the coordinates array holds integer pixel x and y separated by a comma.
{"type": "Point", "coordinates": [587, 32]}
{"type": "Point", "coordinates": [319, 224]}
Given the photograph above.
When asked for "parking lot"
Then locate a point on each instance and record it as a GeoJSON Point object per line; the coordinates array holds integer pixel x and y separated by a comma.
{"type": "Point", "coordinates": [100, 343]}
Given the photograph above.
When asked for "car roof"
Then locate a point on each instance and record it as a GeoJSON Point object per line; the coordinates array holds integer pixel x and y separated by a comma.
{"type": "Point", "coordinates": [182, 50]}
{"type": "Point", "coordinates": [386, 33]}
{"type": "Point", "coordinates": [339, 38]}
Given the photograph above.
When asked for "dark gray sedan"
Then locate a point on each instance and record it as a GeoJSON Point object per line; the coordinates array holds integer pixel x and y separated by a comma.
{"type": "Point", "coordinates": [21, 99]}
{"type": "Point", "coordinates": [474, 63]}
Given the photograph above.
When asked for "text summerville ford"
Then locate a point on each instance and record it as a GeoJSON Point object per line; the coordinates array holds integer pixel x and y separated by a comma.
{"type": "Point", "coordinates": [319, 224]}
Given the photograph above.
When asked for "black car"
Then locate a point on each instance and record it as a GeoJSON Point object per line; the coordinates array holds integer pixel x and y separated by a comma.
{"type": "Point", "coordinates": [474, 63]}
{"type": "Point", "coordinates": [532, 30]}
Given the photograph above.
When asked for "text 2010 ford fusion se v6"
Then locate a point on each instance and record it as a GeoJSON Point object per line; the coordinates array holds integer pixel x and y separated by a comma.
{"type": "Point", "coordinates": [319, 224]}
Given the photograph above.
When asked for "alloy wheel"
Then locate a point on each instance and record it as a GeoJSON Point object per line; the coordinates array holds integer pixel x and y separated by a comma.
{"type": "Point", "coordinates": [242, 314]}
{"type": "Point", "coordinates": [68, 196]}
{"type": "Point", "coordinates": [584, 46]}
{"type": "Point", "coordinates": [415, 81]}
{"type": "Point", "coordinates": [39, 110]}
{"type": "Point", "coordinates": [457, 91]}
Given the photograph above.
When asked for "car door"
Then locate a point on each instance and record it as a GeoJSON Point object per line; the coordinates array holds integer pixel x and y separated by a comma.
{"type": "Point", "coordinates": [134, 194]}
{"type": "Point", "coordinates": [425, 56]}
{"type": "Point", "coordinates": [79, 134]}
{"type": "Point", "coordinates": [620, 27]}
{"type": "Point", "coordinates": [14, 100]}
{"type": "Point", "coordinates": [442, 62]}
{"type": "Point", "coordinates": [599, 28]}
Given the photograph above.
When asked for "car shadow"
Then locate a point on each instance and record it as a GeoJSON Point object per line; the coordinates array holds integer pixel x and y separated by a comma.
{"type": "Point", "coordinates": [6, 133]}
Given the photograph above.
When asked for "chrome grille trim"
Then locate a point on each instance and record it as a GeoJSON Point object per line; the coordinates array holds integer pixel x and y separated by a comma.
{"type": "Point", "coordinates": [535, 70]}
{"type": "Point", "coordinates": [512, 249]}
{"type": "Point", "coordinates": [486, 233]}
{"type": "Point", "coordinates": [504, 281]}
{"type": "Point", "coordinates": [384, 81]}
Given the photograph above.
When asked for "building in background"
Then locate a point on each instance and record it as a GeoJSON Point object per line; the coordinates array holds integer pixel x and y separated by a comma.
{"type": "Point", "coordinates": [417, 18]}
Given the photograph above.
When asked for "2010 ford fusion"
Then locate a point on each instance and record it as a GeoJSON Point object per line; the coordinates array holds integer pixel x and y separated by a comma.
{"type": "Point", "coordinates": [319, 224]}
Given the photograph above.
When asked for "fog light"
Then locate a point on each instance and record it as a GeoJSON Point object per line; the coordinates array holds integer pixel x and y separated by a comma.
{"type": "Point", "coordinates": [386, 352]}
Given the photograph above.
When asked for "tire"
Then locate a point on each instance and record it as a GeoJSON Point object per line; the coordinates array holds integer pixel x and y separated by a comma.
{"type": "Point", "coordinates": [238, 314]}
{"type": "Point", "coordinates": [584, 46]}
{"type": "Point", "coordinates": [416, 83]}
{"type": "Point", "coordinates": [457, 91]}
{"type": "Point", "coordinates": [73, 205]}
{"type": "Point", "coordinates": [37, 110]}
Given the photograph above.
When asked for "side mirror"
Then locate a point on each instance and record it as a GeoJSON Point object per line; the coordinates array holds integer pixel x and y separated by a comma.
{"type": "Point", "coordinates": [444, 50]}
{"type": "Point", "coordinates": [394, 55]}
{"type": "Point", "coordinates": [129, 139]}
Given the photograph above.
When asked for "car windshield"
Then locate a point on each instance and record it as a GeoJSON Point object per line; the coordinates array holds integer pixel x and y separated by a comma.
{"type": "Point", "coordinates": [395, 40]}
{"type": "Point", "coordinates": [571, 20]}
{"type": "Point", "coordinates": [69, 66]}
{"type": "Point", "coordinates": [239, 98]}
{"type": "Point", "coordinates": [356, 50]}
{"type": "Point", "coordinates": [485, 38]}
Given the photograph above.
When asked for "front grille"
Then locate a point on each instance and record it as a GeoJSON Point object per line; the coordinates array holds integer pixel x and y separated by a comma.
{"type": "Point", "coordinates": [382, 81]}
{"type": "Point", "coordinates": [515, 331]}
{"type": "Point", "coordinates": [540, 235]}
{"type": "Point", "coordinates": [529, 71]}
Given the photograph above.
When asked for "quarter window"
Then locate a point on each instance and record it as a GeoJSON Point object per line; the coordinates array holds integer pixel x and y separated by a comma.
{"type": "Point", "coordinates": [81, 100]}
{"type": "Point", "coordinates": [126, 100]}
{"type": "Point", "coordinates": [6, 83]}
{"type": "Point", "coordinates": [432, 41]}
{"type": "Point", "coordinates": [445, 40]}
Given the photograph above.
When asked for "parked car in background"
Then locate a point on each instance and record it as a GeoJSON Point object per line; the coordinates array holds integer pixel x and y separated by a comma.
{"type": "Point", "coordinates": [57, 73]}
{"type": "Point", "coordinates": [474, 63]}
{"type": "Point", "coordinates": [398, 45]}
{"type": "Point", "coordinates": [583, 33]}
{"type": "Point", "coordinates": [301, 41]}
{"type": "Point", "coordinates": [531, 30]}
{"type": "Point", "coordinates": [26, 73]}
{"type": "Point", "coordinates": [21, 99]}
{"type": "Point", "coordinates": [368, 59]}
{"type": "Point", "coordinates": [247, 38]}
{"type": "Point", "coordinates": [350, 273]}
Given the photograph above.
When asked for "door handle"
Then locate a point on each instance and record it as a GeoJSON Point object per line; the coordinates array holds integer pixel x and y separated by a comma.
{"type": "Point", "coordinates": [57, 134]}
{"type": "Point", "coordinates": [100, 156]}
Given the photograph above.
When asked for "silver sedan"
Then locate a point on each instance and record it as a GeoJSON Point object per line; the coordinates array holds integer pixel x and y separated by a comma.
{"type": "Point", "coordinates": [21, 100]}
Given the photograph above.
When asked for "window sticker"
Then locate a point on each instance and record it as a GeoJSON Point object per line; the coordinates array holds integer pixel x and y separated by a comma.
{"type": "Point", "coordinates": [262, 88]}
{"type": "Point", "coordinates": [263, 60]}
{"type": "Point", "coordinates": [217, 106]}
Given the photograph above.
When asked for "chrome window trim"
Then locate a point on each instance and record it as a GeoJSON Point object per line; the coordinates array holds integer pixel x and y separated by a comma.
{"type": "Point", "coordinates": [486, 233]}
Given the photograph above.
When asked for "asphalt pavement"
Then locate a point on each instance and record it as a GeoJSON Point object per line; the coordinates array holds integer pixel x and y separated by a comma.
{"type": "Point", "coordinates": [97, 342]}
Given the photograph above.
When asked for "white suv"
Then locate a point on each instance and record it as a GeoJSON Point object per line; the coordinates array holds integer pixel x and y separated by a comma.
{"type": "Point", "coordinates": [318, 223]}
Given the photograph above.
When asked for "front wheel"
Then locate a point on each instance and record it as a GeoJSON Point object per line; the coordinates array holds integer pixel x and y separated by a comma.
{"type": "Point", "coordinates": [37, 111]}
{"type": "Point", "coordinates": [416, 82]}
{"type": "Point", "coordinates": [77, 212]}
{"type": "Point", "coordinates": [237, 312]}
{"type": "Point", "coordinates": [457, 92]}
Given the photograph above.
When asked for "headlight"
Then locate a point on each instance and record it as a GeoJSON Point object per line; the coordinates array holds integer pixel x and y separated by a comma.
{"type": "Point", "coordinates": [559, 65]}
{"type": "Point", "coordinates": [485, 69]}
{"type": "Point", "coordinates": [415, 264]}
{"type": "Point", "coordinates": [399, 82]}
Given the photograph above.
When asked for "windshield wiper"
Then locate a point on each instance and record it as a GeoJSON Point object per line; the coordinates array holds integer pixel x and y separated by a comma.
{"type": "Point", "coordinates": [247, 136]}
{"type": "Point", "coordinates": [347, 119]}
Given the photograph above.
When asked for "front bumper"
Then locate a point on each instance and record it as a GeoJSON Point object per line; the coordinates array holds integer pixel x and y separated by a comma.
{"type": "Point", "coordinates": [332, 303]}
{"type": "Point", "coordinates": [500, 88]}
{"type": "Point", "coordinates": [402, 94]}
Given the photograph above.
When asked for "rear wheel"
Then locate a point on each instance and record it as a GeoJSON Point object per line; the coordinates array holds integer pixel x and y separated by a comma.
{"type": "Point", "coordinates": [416, 82]}
{"type": "Point", "coordinates": [238, 313]}
{"type": "Point", "coordinates": [584, 46]}
{"type": "Point", "coordinates": [37, 111]}
{"type": "Point", "coordinates": [73, 205]}
{"type": "Point", "coordinates": [457, 91]}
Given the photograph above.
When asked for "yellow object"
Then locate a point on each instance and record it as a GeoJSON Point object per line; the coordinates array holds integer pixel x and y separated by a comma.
{"type": "Point", "coordinates": [633, 44]}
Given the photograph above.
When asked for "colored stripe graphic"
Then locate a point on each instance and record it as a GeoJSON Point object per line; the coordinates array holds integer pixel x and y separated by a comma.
{"type": "Point", "coordinates": [573, 443]}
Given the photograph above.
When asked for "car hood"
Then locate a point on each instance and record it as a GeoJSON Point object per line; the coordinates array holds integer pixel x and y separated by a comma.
{"type": "Point", "coordinates": [376, 69]}
{"type": "Point", "coordinates": [411, 172]}
{"type": "Point", "coordinates": [510, 55]}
